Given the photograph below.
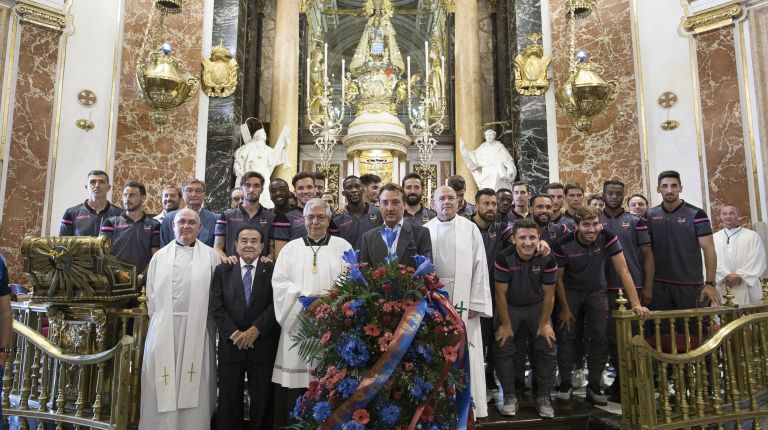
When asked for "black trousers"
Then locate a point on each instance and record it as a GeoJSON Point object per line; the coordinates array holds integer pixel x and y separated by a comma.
{"type": "Point", "coordinates": [285, 400]}
{"type": "Point", "coordinates": [486, 328]}
{"type": "Point", "coordinates": [595, 308]}
{"type": "Point", "coordinates": [230, 410]}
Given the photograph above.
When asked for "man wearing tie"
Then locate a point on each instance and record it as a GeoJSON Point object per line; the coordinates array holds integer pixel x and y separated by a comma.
{"type": "Point", "coordinates": [241, 305]}
{"type": "Point", "coordinates": [395, 236]}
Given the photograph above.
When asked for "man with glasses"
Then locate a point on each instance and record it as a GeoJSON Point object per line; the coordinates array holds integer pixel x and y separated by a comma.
{"type": "Point", "coordinates": [193, 192]}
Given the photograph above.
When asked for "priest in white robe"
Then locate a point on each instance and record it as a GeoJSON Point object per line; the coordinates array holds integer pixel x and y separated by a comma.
{"type": "Point", "coordinates": [307, 266]}
{"type": "Point", "coordinates": [740, 258]}
{"type": "Point", "coordinates": [178, 376]}
{"type": "Point", "coordinates": [459, 257]}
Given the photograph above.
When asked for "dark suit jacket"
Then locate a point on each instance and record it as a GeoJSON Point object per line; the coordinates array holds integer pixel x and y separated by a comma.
{"type": "Point", "coordinates": [227, 306]}
{"type": "Point", "coordinates": [414, 240]}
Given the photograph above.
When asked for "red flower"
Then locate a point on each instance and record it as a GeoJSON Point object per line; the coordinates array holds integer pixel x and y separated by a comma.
{"type": "Point", "coordinates": [388, 72]}
{"type": "Point", "coordinates": [387, 320]}
{"type": "Point", "coordinates": [450, 353]}
{"type": "Point", "coordinates": [397, 395]}
{"type": "Point", "coordinates": [429, 414]}
{"type": "Point", "coordinates": [378, 273]}
{"type": "Point", "coordinates": [386, 287]}
{"type": "Point", "coordinates": [314, 390]}
{"type": "Point", "coordinates": [408, 366]}
{"type": "Point", "coordinates": [372, 330]}
{"type": "Point", "coordinates": [326, 337]}
{"type": "Point", "coordinates": [361, 416]}
{"type": "Point", "coordinates": [384, 341]}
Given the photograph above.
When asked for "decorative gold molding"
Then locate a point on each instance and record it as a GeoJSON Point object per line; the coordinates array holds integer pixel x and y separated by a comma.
{"type": "Point", "coordinates": [41, 16]}
{"type": "Point", "coordinates": [713, 19]}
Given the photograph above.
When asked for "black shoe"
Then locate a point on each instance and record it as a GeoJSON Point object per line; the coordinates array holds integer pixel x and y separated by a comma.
{"type": "Point", "coordinates": [614, 393]}
{"type": "Point", "coordinates": [595, 396]}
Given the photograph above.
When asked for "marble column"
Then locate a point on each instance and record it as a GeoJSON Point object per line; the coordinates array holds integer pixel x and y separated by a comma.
{"type": "Point", "coordinates": [722, 121]}
{"type": "Point", "coordinates": [285, 83]}
{"type": "Point", "coordinates": [29, 120]}
{"type": "Point", "coordinates": [467, 78]}
{"type": "Point", "coordinates": [758, 17]}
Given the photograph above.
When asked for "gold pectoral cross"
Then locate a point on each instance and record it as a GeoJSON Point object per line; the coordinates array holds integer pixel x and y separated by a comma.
{"type": "Point", "coordinates": [191, 372]}
{"type": "Point", "coordinates": [165, 376]}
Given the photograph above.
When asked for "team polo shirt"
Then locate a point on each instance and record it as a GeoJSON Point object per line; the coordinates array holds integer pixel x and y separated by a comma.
{"type": "Point", "coordinates": [524, 278]}
{"type": "Point", "coordinates": [132, 242]}
{"type": "Point", "coordinates": [82, 220]}
{"type": "Point", "coordinates": [675, 240]}
{"type": "Point", "coordinates": [585, 264]}
{"type": "Point", "coordinates": [290, 225]}
{"type": "Point", "coordinates": [564, 219]}
{"type": "Point", "coordinates": [552, 232]}
{"type": "Point", "coordinates": [633, 233]}
{"type": "Point", "coordinates": [421, 217]}
{"type": "Point", "coordinates": [232, 220]}
{"type": "Point", "coordinates": [351, 227]}
{"type": "Point", "coordinates": [494, 240]}
{"type": "Point", "coordinates": [514, 216]}
{"type": "Point", "coordinates": [468, 211]}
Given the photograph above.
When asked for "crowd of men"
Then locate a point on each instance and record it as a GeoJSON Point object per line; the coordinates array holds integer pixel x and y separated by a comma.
{"type": "Point", "coordinates": [535, 276]}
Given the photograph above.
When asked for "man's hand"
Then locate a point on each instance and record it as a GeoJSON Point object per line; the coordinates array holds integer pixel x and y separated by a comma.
{"type": "Point", "coordinates": [543, 249]}
{"type": "Point", "coordinates": [232, 259]}
{"type": "Point", "coordinates": [547, 333]}
{"type": "Point", "coordinates": [641, 311]}
{"type": "Point", "coordinates": [733, 280]}
{"type": "Point", "coordinates": [646, 294]}
{"type": "Point", "coordinates": [3, 358]}
{"type": "Point", "coordinates": [565, 317]}
{"type": "Point", "coordinates": [473, 314]}
{"type": "Point", "coordinates": [265, 259]}
{"type": "Point", "coordinates": [246, 338]}
{"type": "Point", "coordinates": [503, 333]}
{"type": "Point", "coordinates": [711, 293]}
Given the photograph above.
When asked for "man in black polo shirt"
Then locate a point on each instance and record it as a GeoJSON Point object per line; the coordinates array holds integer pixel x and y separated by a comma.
{"type": "Point", "coordinates": [495, 236]}
{"type": "Point", "coordinates": [371, 185]}
{"type": "Point", "coordinates": [520, 194]}
{"type": "Point", "coordinates": [85, 219]}
{"type": "Point", "coordinates": [556, 192]}
{"type": "Point", "coordinates": [636, 244]}
{"type": "Point", "coordinates": [504, 204]}
{"type": "Point", "coordinates": [679, 233]}
{"type": "Point", "coordinates": [459, 185]}
{"type": "Point", "coordinates": [415, 212]}
{"type": "Point", "coordinates": [541, 212]}
{"type": "Point", "coordinates": [357, 216]}
{"type": "Point", "coordinates": [581, 285]}
{"type": "Point", "coordinates": [280, 195]}
{"type": "Point", "coordinates": [574, 199]}
{"type": "Point", "coordinates": [320, 179]}
{"type": "Point", "coordinates": [304, 187]}
{"type": "Point", "coordinates": [135, 236]}
{"type": "Point", "coordinates": [250, 212]}
{"type": "Point", "coordinates": [525, 296]}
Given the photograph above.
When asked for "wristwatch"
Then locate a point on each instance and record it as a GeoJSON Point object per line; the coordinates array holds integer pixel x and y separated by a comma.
{"type": "Point", "coordinates": [710, 283]}
{"type": "Point", "coordinates": [6, 350]}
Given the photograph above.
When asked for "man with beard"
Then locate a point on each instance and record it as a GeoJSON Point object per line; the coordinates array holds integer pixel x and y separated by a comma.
{"type": "Point", "coordinates": [415, 212]}
{"type": "Point", "coordinates": [556, 193]}
{"type": "Point", "coordinates": [251, 213]}
{"type": "Point", "coordinates": [320, 179]}
{"type": "Point", "coordinates": [371, 184]}
{"type": "Point", "coordinates": [504, 204]}
{"type": "Point", "coordinates": [636, 244]}
{"type": "Point", "coordinates": [357, 216]}
{"type": "Point", "coordinates": [520, 194]}
{"type": "Point", "coordinates": [459, 185]}
{"type": "Point", "coordinates": [85, 219]}
{"type": "Point", "coordinates": [171, 200]}
{"type": "Point", "coordinates": [495, 236]}
{"type": "Point", "coordinates": [291, 224]}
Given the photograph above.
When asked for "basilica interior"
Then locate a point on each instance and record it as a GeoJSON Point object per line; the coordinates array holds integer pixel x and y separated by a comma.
{"type": "Point", "coordinates": [581, 91]}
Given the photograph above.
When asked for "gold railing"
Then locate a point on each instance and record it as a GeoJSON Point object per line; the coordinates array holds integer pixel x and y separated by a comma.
{"type": "Point", "coordinates": [85, 371]}
{"type": "Point", "coordinates": [694, 368]}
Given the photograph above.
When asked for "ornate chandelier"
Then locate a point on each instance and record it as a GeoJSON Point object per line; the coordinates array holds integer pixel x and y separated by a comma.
{"type": "Point", "coordinates": [425, 120]}
{"type": "Point", "coordinates": [327, 125]}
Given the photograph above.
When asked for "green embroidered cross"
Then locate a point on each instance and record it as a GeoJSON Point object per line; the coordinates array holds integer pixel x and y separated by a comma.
{"type": "Point", "coordinates": [460, 308]}
{"type": "Point", "coordinates": [165, 375]}
{"type": "Point", "coordinates": [191, 372]}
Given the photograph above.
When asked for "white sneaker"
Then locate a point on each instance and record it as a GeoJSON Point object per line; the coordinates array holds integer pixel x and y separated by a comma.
{"type": "Point", "coordinates": [490, 395]}
{"type": "Point", "coordinates": [509, 408]}
{"type": "Point", "coordinates": [544, 407]}
{"type": "Point", "coordinates": [578, 379]}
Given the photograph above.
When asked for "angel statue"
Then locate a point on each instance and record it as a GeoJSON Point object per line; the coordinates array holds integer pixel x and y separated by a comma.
{"type": "Point", "coordinates": [257, 156]}
{"type": "Point", "coordinates": [491, 164]}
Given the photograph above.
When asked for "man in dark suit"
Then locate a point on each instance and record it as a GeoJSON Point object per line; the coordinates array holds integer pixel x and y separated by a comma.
{"type": "Point", "coordinates": [241, 306]}
{"type": "Point", "coordinates": [395, 236]}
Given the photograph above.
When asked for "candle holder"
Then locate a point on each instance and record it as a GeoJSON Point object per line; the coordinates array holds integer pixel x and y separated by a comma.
{"type": "Point", "coordinates": [326, 125]}
{"type": "Point", "coordinates": [425, 119]}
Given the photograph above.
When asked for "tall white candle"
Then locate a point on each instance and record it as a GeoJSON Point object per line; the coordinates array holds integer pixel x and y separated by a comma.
{"type": "Point", "coordinates": [442, 69]}
{"type": "Point", "coordinates": [408, 76]}
{"type": "Point", "coordinates": [342, 80]}
{"type": "Point", "coordinates": [308, 80]}
{"type": "Point", "coordinates": [429, 192]}
{"type": "Point", "coordinates": [426, 63]}
{"type": "Point", "coordinates": [325, 64]}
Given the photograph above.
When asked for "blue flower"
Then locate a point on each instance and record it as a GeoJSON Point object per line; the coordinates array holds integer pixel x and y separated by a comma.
{"type": "Point", "coordinates": [424, 266]}
{"type": "Point", "coordinates": [424, 352]}
{"type": "Point", "coordinates": [391, 259]}
{"type": "Point", "coordinates": [307, 300]}
{"type": "Point", "coordinates": [390, 415]}
{"type": "Point", "coordinates": [347, 387]}
{"type": "Point", "coordinates": [322, 411]}
{"type": "Point", "coordinates": [350, 257]}
{"type": "Point", "coordinates": [420, 389]}
{"type": "Point", "coordinates": [354, 352]}
{"type": "Point", "coordinates": [354, 273]}
{"type": "Point", "coordinates": [356, 304]}
{"type": "Point", "coordinates": [296, 412]}
{"type": "Point", "coordinates": [353, 425]}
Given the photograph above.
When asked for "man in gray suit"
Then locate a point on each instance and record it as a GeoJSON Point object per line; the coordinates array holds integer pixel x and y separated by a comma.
{"type": "Point", "coordinates": [395, 236]}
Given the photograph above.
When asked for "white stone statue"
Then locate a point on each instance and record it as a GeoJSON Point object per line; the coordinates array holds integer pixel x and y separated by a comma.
{"type": "Point", "coordinates": [491, 164]}
{"type": "Point", "coordinates": [256, 155]}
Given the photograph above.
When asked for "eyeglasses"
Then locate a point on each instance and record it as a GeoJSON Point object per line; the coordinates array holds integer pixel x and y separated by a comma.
{"type": "Point", "coordinates": [194, 191]}
{"type": "Point", "coordinates": [313, 218]}
{"type": "Point", "coordinates": [249, 241]}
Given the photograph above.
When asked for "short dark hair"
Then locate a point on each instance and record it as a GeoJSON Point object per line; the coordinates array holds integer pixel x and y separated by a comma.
{"type": "Point", "coordinates": [392, 187]}
{"type": "Point", "coordinates": [637, 195]}
{"type": "Point", "coordinates": [522, 183]}
{"type": "Point", "coordinates": [554, 186]}
{"type": "Point", "coordinates": [333, 196]}
{"type": "Point", "coordinates": [412, 175]}
{"type": "Point", "coordinates": [523, 223]}
{"type": "Point", "coordinates": [279, 180]}
{"type": "Point", "coordinates": [344, 182]}
{"type": "Point", "coordinates": [503, 190]}
{"type": "Point", "coordinates": [248, 227]}
{"type": "Point", "coordinates": [538, 196]}
{"type": "Point", "coordinates": [574, 186]}
{"type": "Point", "coordinates": [585, 213]}
{"type": "Point", "coordinates": [484, 192]}
{"type": "Point", "coordinates": [169, 186]}
{"type": "Point", "coordinates": [190, 182]}
{"type": "Point", "coordinates": [612, 182]}
{"type": "Point", "coordinates": [249, 175]}
{"type": "Point", "coordinates": [456, 182]}
{"type": "Point", "coordinates": [595, 196]}
{"type": "Point", "coordinates": [318, 176]}
{"type": "Point", "coordinates": [98, 173]}
{"type": "Point", "coordinates": [139, 185]}
{"type": "Point", "coordinates": [302, 175]}
{"type": "Point", "coordinates": [369, 178]}
{"type": "Point", "coordinates": [669, 174]}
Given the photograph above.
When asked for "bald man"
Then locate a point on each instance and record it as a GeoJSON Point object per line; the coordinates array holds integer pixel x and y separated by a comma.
{"type": "Point", "coordinates": [740, 258]}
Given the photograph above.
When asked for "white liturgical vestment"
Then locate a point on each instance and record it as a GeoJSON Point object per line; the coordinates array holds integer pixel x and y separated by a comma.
{"type": "Point", "coordinates": [459, 257]}
{"type": "Point", "coordinates": [740, 251]}
{"type": "Point", "coordinates": [178, 376]}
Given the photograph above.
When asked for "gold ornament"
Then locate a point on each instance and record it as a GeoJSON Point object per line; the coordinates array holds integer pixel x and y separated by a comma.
{"type": "Point", "coordinates": [219, 73]}
{"type": "Point", "coordinates": [531, 69]}
{"type": "Point", "coordinates": [586, 94]}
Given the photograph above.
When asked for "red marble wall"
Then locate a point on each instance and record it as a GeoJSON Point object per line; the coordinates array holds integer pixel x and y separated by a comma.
{"type": "Point", "coordinates": [612, 149]}
{"type": "Point", "coordinates": [141, 152]}
{"type": "Point", "coordinates": [29, 143]}
{"type": "Point", "coordinates": [722, 121]}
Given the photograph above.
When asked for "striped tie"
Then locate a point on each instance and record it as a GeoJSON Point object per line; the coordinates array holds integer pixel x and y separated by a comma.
{"type": "Point", "coordinates": [247, 283]}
